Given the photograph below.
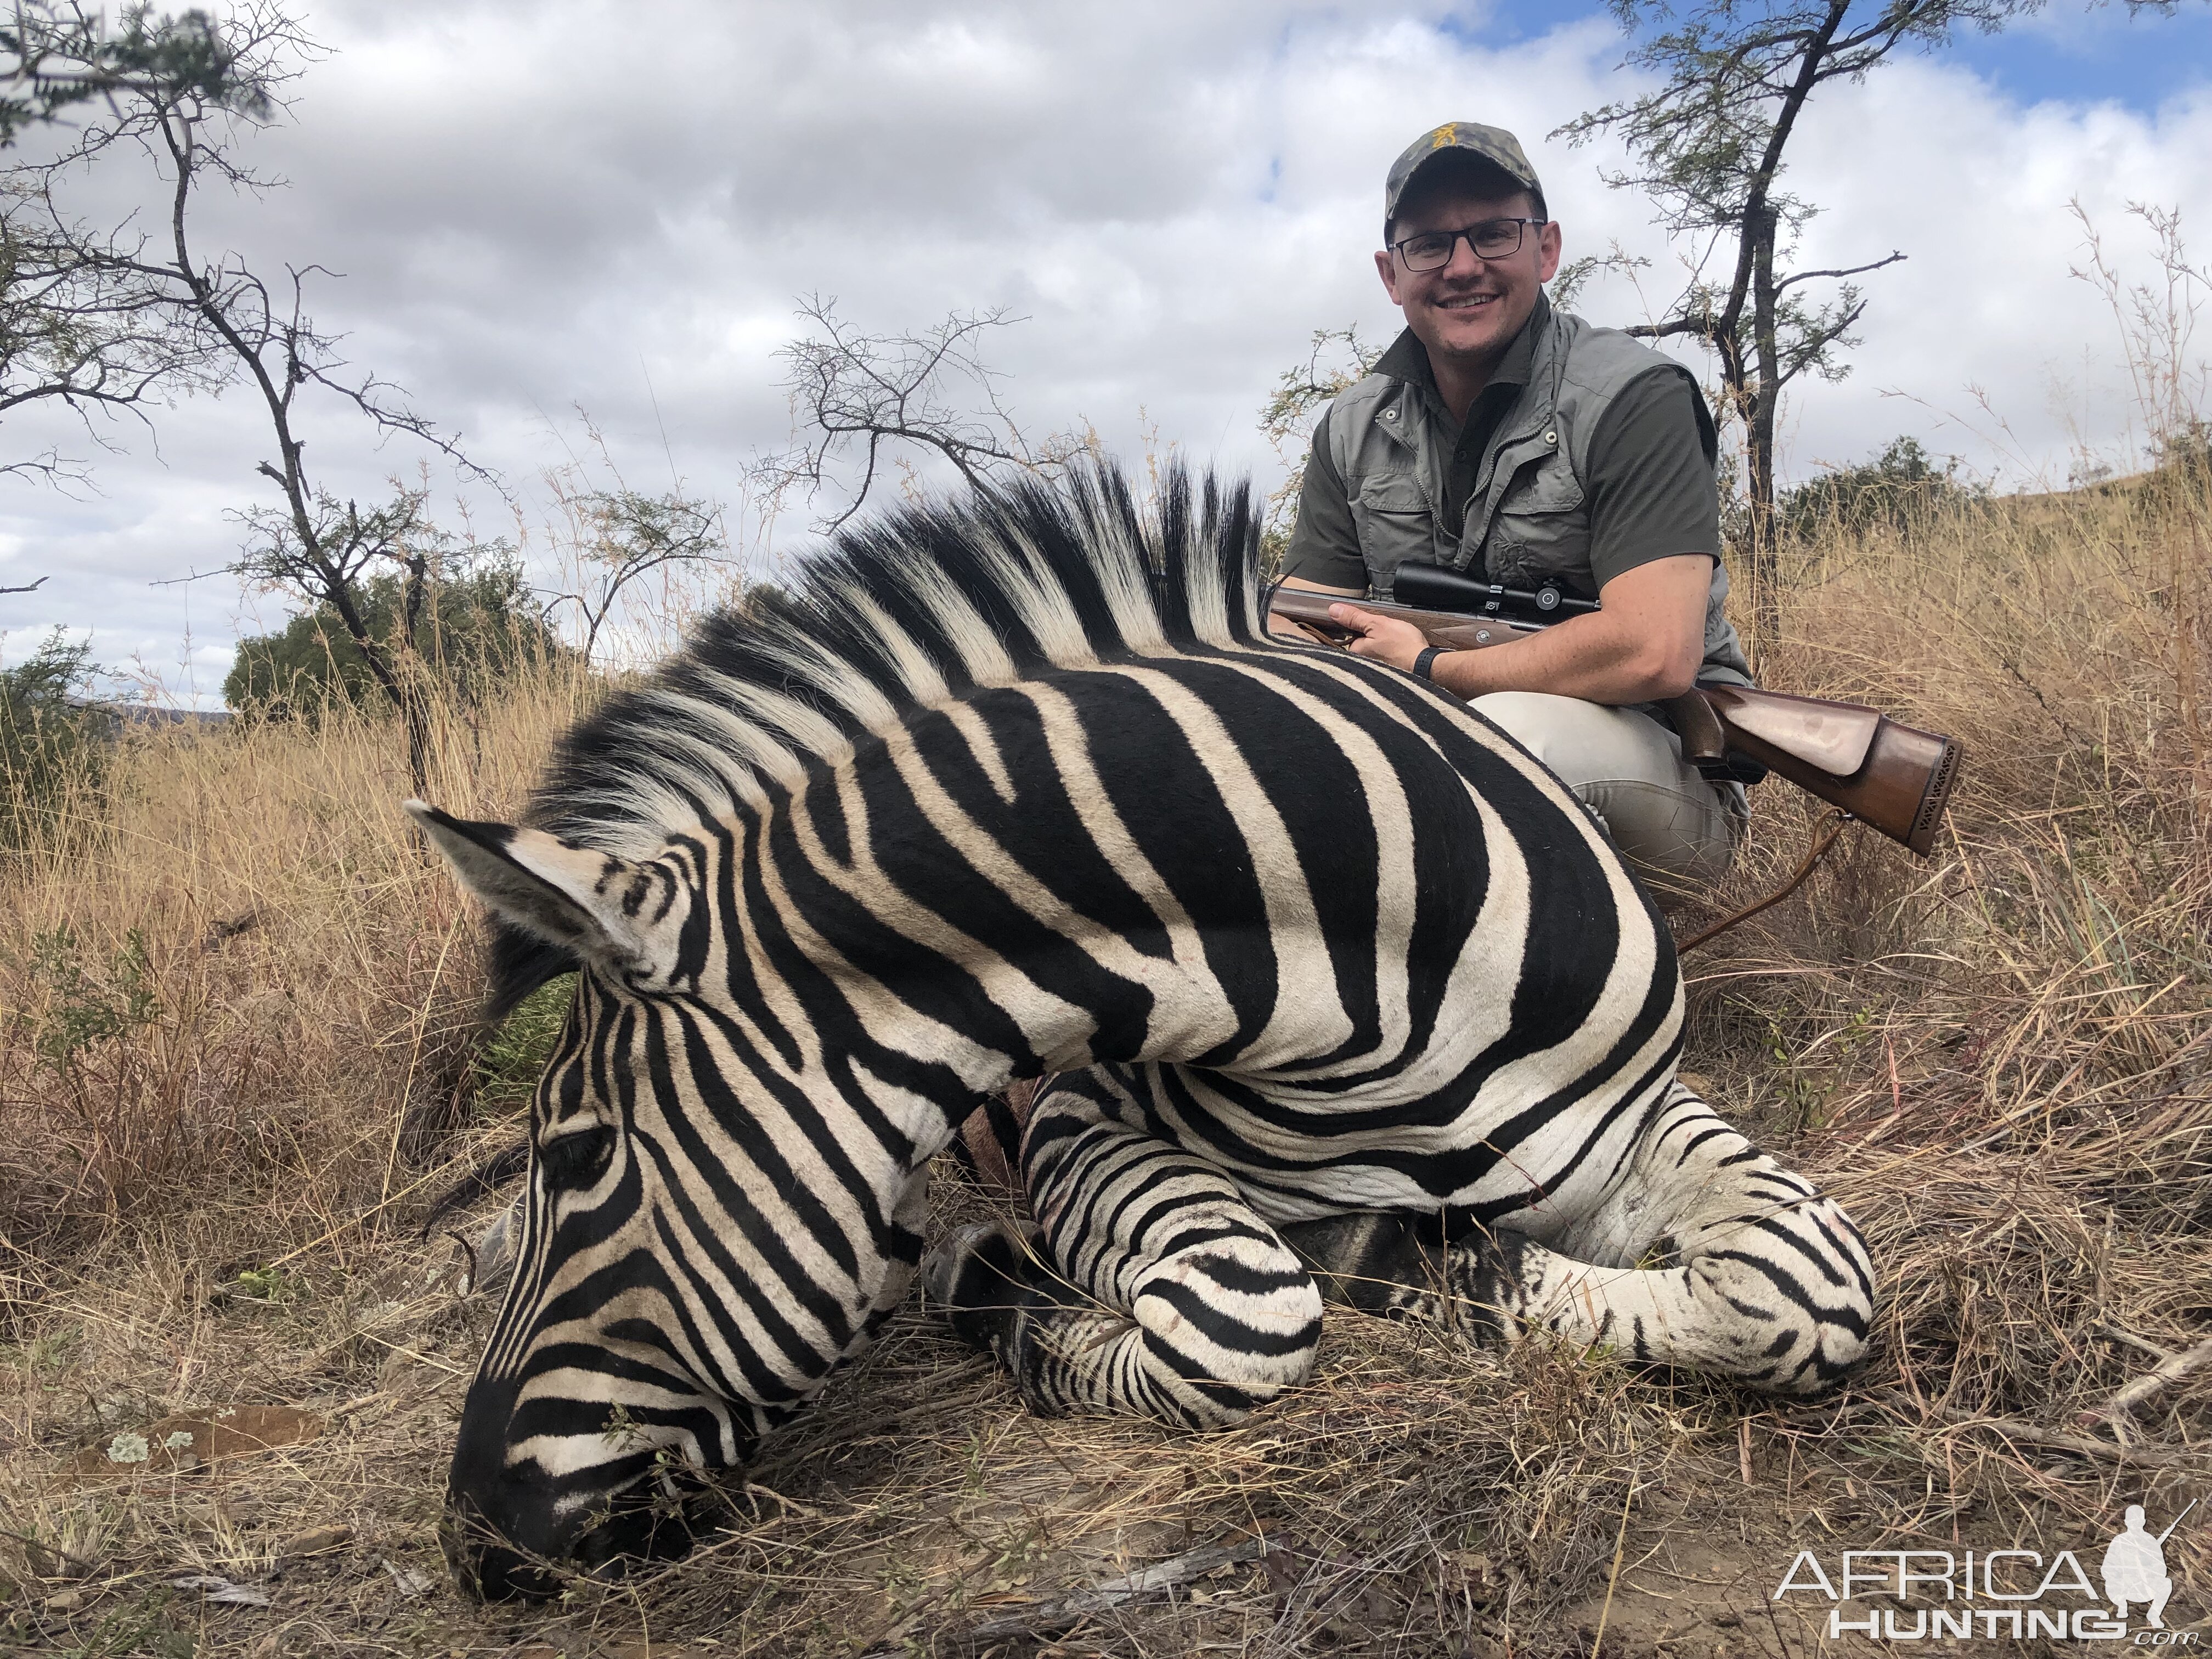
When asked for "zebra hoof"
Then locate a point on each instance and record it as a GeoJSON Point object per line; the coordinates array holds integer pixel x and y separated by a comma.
{"type": "Point", "coordinates": [977, 1277]}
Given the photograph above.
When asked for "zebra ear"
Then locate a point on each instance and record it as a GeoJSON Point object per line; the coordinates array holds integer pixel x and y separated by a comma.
{"type": "Point", "coordinates": [606, 909]}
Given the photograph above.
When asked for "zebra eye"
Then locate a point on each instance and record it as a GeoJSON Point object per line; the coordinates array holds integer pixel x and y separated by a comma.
{"type": "Point", "coordinates": [579, 1159]}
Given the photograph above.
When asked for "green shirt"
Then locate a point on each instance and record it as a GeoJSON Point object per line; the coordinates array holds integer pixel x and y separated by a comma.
{"type": "Point", "coordinates": [1650, 495]}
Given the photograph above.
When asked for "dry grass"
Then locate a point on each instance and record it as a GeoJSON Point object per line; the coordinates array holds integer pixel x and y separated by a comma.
{"type": "Point", "coordinates": [2002, 1058]}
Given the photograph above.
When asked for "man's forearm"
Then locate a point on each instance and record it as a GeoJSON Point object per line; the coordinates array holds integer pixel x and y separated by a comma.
{"type": "Point", "coordinates": [1592, 658]}
{"type": "Point", "coordinates": [1644, 646]}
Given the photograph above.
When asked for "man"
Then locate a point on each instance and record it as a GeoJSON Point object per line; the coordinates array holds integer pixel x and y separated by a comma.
{"type": "Point", "coordinates": [1522, 445]}
{"type": "Point", "coordinates": [2134, 1570]}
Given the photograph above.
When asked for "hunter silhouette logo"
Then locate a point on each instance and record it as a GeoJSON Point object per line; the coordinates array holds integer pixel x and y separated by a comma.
{"type": "Point", "coordinates": [2134, 1567]}
{"type": "Point", "coordinates": [1998, 1592]}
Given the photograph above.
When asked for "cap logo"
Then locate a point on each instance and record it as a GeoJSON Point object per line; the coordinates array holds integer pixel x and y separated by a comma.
{"type": "Point", "coordinates": [1444, 136]}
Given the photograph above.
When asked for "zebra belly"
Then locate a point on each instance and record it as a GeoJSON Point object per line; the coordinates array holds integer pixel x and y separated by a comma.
{"type": "Point", "coordinates": [1535, 1167]}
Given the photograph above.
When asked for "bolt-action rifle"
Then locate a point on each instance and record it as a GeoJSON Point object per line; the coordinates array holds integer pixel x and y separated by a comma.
{"type": "Point", "coordinates": [1895, 777]}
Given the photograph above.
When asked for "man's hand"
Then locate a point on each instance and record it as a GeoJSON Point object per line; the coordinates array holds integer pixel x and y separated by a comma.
{"type": "Point", "coordinates": [1386, 638]}
{"type": "Point", "coordinates": [1297, 633]}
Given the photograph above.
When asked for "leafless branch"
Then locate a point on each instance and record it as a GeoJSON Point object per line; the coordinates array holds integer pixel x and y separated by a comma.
{"type": "Point", "coordinates": [616, 537]}
{"type": "Point", "coordinates": [1674, 326]}
{"type": "Point", "coordinates": [1797, 277]}
{"type": "Point", "coordinates": [2034, 1434]}
{"type": "Point", "coordinates": [854, 396]}
{"type": "Point", "coordinates": [2170, 1369]}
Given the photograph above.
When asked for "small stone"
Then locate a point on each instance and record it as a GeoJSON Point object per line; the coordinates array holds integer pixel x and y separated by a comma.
{"type": "Point", "coordinates": [412, 1581]}
{"type": "Point", "coordinates": [315, 1540]}
{"type": "Point", "coordinates": [64, 1601]}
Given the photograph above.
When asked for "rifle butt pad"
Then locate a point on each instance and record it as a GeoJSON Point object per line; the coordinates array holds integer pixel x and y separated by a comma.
{"type": "Point", "coordinates": [1901, 789]}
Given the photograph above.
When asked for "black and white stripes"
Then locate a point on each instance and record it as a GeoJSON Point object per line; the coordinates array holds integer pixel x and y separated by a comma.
{"type": "Point", "coordinates": [1018, 789]}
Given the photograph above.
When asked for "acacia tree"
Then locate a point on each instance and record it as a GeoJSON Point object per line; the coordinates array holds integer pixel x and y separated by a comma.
{"type": "Point", "coordinates": [221, 315]}
{"type": "Point", "coordinates": [622, 536]}
{"type": "Point", "coordinates": [1336, 360]}
{"type": "Point", "coordinates": [54, 55]}
{"type": "Point", "coordinates": [1735, 76]}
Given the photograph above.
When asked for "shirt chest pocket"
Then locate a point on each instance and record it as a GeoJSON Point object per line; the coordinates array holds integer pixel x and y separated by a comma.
{"type": "Point", "coordinates": [1395, 523]}
{"type": "Point", "coordinates": [1542, 532]}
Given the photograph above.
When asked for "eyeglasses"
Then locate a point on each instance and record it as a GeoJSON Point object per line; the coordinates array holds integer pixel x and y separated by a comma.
{"type": "Point", "coordinates": [1493, 239]}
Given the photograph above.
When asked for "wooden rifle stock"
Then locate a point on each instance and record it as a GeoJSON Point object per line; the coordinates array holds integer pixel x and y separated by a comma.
{"type": "Point", "coordinates": [1896, 778]}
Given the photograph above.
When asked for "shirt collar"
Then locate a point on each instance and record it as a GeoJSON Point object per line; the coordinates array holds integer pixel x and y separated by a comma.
{"type": "Point", "coordinates": [1407, 359]}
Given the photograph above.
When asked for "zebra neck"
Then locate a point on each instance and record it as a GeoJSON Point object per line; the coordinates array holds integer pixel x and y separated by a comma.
{"type": "Point", "coordinates": [947, 952]}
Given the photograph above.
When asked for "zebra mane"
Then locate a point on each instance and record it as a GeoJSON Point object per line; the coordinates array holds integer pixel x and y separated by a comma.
{"type": "Point", "coordinates": [909, 610]}
{"type": "Point", "coordinates": [905, 611]}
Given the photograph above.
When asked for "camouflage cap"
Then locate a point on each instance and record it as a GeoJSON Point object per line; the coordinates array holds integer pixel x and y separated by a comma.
{"type": "Point", "coordinates": [1492, 144]}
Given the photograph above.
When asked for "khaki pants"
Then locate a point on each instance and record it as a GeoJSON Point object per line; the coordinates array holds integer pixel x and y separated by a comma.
{"type": "Point", "coordinates": [1678, 831]}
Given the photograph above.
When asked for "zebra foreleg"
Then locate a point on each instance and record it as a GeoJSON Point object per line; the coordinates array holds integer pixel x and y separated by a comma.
{"type": "Point", "coordinates": [1151, 1290]}
{"type": "Point", "coordinates": [1705, 1254]}
{"type": "Point", "coordinates": [1709, 1254]}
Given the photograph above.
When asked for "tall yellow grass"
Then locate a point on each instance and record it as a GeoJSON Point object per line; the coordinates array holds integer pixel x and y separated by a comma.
{"type": "Point", "coordinates": [315, 971]}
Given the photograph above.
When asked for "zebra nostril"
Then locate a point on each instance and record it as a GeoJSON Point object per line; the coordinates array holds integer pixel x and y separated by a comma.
{"type": "Point", "coordinates": [486, 1567]}
{"type": "Point", "coordinates": [504, 1575]}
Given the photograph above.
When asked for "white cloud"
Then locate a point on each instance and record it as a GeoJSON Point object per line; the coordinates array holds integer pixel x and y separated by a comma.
{"type": "Point", "coordinates": [537, 207]}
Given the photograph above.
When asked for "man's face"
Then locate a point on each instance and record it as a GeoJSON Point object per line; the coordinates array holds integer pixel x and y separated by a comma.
{"type": "Point", "coordinates": [1471, 308]}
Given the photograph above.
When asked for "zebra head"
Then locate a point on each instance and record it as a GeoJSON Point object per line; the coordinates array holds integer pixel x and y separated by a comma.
{"type": "Point", "coordinates": [597, 1389]}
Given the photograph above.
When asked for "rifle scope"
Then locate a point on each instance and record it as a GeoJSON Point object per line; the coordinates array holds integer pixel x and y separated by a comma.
{"type": "Point", "coordinates": [1437, 588]}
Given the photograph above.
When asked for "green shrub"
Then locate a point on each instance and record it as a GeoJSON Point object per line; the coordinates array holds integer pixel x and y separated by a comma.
{"type": "Point", "coordinates": [1896, 490]}
{"type": "Point", "coordinates": [473, 628]}
{"type": "Point", "coordinates": [90, 1007]}
{"type": "Point", "coordinates": [53, 739]}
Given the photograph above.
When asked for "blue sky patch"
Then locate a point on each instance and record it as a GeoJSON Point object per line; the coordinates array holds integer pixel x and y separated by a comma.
{"type": "Point", "coordinates": [2069, 53]}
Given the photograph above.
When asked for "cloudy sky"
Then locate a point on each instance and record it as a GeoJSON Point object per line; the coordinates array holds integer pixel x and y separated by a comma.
{"type": "Point", "coordinates": [560, 204]}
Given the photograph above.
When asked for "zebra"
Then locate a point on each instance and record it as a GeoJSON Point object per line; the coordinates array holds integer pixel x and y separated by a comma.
{"type": "Point", "coordinates": [1339, 991]}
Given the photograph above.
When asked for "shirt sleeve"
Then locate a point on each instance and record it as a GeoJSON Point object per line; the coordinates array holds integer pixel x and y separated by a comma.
{"type": "Point", "coordinates": [1651, 491]}
{"type": "Point", "coordinates": [1325, 542]}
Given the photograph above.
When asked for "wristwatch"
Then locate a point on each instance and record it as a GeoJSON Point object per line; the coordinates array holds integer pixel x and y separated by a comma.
{"type": "Point", "coordinates": [1428, 654]}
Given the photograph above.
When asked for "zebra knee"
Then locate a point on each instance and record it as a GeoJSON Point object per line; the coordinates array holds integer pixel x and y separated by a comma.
{"type": "Point", "coordinates": [1790, 1331]}
{"type": "Point", "coordinates": [1209, 1336]}
{"type": "Point", "coordinates": [1227, 1329]}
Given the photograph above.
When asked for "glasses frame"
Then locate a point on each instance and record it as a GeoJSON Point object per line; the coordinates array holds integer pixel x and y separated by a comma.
{"type": "Point", "coordinates": [1466, 234]}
